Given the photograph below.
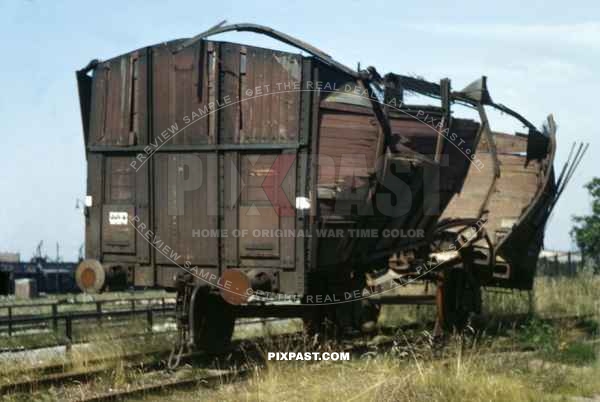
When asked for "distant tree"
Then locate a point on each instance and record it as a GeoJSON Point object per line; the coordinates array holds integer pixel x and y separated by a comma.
{"type": "Point", "coordinates": [586, 231]}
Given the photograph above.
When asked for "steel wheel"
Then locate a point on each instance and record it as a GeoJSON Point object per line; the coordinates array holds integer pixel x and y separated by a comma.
{"type": "Point", "coordinates": [461, 298]}
{"type": "Point", "coordinates": [213, 322]}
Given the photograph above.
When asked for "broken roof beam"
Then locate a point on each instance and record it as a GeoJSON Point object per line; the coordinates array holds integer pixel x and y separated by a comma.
{"type": "Point", "coordinates": [433, 89]}
{"type": "Point", "coordinates": [280, 36]}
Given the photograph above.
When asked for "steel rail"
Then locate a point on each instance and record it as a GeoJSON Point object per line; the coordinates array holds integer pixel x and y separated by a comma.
{"type": "Point", "coordinates": [52, 375]}
{"type": "Point", "coordinates": [220, 377]}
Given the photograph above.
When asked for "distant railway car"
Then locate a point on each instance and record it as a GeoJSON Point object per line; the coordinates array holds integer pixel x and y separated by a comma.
{"type": "Point", "coordinates": [263, 182]}
{"type": "Point", "coordinates": [59, 277]}
{"type": "Point", "coordinates": [5, 281]}
{"type": "Point", "coordinates": [49, 277]}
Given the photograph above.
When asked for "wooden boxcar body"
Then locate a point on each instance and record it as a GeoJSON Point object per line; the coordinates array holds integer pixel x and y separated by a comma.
{"type": "Point", "coordinates": [211, 157]}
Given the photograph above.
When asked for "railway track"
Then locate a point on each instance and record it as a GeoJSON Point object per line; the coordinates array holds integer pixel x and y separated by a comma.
{"type": "Point", "coordinates": [235, 366]}
{"type": "Point", "coordinates": [62, 373]}
{"type": "Point", "coordinates": [154, 364]}
{"type": "Point", "coordinates": [58, 374]}
{"type": "Point", "coordinates": [215, 378]}
{"type": "Point", "coordinates": [85, 341]}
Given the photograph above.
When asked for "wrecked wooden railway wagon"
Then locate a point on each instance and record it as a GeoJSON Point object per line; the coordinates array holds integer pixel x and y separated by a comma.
{"type": "Point", "coordinates": [264, 182]}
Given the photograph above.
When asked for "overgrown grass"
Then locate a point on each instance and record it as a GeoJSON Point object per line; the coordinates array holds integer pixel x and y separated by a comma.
{"type": "Point", "coordinates": [460, 375]}
{"type": "Point", "coordinates": [539, 360]}
{"type": "Point", "coordinates": [551, 297]}
{"type": "Point", "coordinates": [111, 348]}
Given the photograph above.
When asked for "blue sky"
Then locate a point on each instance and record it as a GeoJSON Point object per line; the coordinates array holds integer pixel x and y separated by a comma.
{"type": "Point", "coordinates": [539, 56]}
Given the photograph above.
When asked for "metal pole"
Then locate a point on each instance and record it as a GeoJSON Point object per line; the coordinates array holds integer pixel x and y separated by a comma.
{"type": "Point", "coordinates": [572, 271]}
{"type": "Point", "coordinates": [150, 319]}
{"type": "Point", "coordinates": [9, 321]}
{"type": "Point", "coordinates": [531, 300]}
{"type": "Point", "coordinates": [69, 331]}
{"type": "Point", "coordinates": [55, 318]}
{"type": "Point", "coordinates": [99, 311]}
